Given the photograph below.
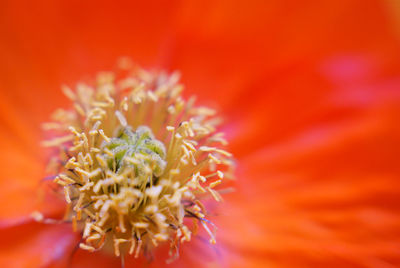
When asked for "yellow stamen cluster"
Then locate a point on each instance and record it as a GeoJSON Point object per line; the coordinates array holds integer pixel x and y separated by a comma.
{"type": "Point", "coordinates": [136, 159]}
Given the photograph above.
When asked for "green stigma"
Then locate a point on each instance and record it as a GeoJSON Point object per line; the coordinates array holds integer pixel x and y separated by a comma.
{"type": "Point", "coordinates": [141, 148]}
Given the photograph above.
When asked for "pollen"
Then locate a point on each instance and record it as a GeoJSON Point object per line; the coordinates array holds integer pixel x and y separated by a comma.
{"type": "Point", "coordinates": [135, 161]}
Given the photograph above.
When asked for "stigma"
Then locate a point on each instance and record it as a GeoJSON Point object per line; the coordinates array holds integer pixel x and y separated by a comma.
{"type": "Point", "coordinates": [134, 161]}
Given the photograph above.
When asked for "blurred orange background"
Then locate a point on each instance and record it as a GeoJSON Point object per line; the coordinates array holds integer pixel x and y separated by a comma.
{"type": "Point", "coordinates": [310, 91]}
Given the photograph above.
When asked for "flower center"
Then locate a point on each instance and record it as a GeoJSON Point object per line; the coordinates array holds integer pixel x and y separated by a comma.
{"type": "Point", "coordinates": [136, 145]}
{"type": "Point", "coordinates": [134, 160]}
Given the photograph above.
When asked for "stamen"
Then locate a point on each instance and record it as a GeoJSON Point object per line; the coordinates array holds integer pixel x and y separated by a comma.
{"type": "Point", "coordinates": [136, 161]}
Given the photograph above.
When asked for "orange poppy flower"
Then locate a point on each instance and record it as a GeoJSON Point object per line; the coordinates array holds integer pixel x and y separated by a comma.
{"type": "Point", "coordinates": [310, 94]}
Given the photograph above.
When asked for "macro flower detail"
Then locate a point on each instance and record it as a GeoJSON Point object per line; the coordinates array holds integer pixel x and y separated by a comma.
{"type": "Point", "coordinates": [309, 93]}
{"type": "Point", "coordinates": [135, 162]}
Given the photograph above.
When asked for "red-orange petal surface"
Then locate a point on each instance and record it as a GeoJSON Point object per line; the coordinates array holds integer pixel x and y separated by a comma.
{"type": "Point", "coordinates": [310, 90]}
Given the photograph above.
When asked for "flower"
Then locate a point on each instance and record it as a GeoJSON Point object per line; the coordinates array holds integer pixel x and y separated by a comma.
{"type": "Point", "coordinates": [136, 162]}
{"type": "Point", "coordinates": [309, 92]}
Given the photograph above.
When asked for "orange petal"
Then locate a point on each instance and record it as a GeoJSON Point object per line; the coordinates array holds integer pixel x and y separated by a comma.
{"type": "Point", "coordinates": [20, 187]}
{"type": "Point", "coordinates": [76, 39]}
{"type": "Point", "coordinates": [27, 245]}
{"type": "Point", "coordinates": [222, 47]}
{"type": "Point", "coordinates": [328, 197]}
